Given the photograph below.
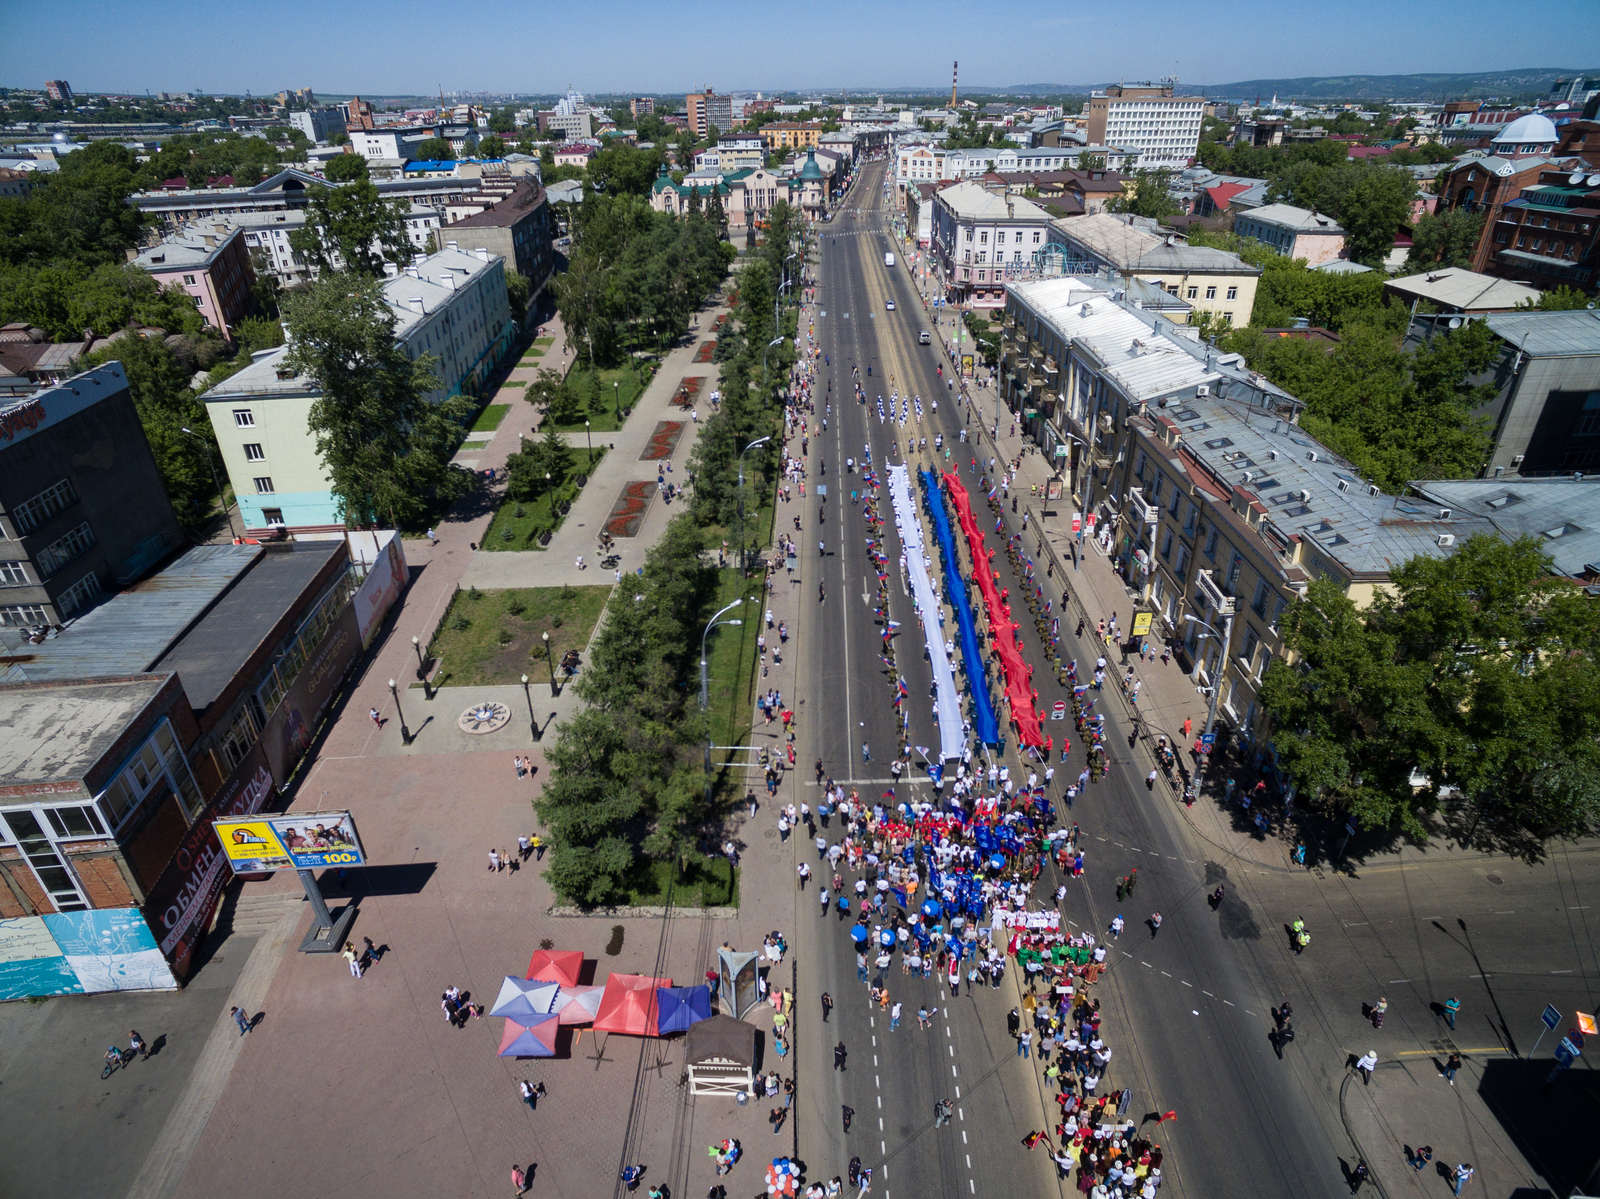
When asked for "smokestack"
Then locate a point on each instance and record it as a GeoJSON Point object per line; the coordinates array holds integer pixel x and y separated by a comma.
{"type": "Point", "coordinates": [953, 67]}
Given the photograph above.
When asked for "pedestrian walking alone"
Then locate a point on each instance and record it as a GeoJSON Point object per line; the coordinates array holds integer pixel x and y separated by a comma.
{"type": "Point", "coordinates": [519, 1180]}
{"type": "Point", "coordinates": [350, 955]}
{"type": "Point", "coordinates": [1451, 1066]}
{"type": "Point", "coordinates": [839, 1053]}
{"type": "Point", "coordinates": [241, 1018]}
{"type": "Point", "coordinates": [1460, 1176]}
{"type": "Point", "coordinates": [1155, 923]}
{"type": "Point", "coordinates": [827, 1006]}
{"type": "Point", "coordinates": [1358, 1175]}
{"type": "Point", "coordinates": [1365, 1065]}
{"type": "Point", "coordinates": [1450, 1010]}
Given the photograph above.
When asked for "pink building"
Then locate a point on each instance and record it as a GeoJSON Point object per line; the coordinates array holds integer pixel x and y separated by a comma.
{"type": "Point", "coordinates": [209, 262]}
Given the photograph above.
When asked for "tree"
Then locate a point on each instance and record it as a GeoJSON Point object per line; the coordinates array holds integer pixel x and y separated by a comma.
{"type": "Point", "coordinates": [434, 149]}
{"type": "Point", "coordinates": [1092, 162]}
{"type": "Point", "coordinates": [1445, 238]}
{"type": "Point", "coordinates": [1151, 197]}
{"type": "Point", "coordinates": [1560, 299]}
{"type": "Point", "coordinates": [67, 298]}
{"type": "Point", "coordinates": [354, 227]}
{"type": "Point", "coordinates": [492, 146]}
{"type": "Point", "coordinates": [79, 214]}
{"type": "Point", "coordinates": [716, 215]}
{"type": "Point", "coordinates": [1477, 671]}
{"type": "Point", "coordinates": [385, 448]}
{"type": "Point", "coordinates": [346, 168]}
{"type": "Point", "coordinates": [1372, 211]}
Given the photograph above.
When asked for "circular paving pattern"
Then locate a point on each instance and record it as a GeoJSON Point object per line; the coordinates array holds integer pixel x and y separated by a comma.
{"type": "Point", "coordinates": [487, 717]}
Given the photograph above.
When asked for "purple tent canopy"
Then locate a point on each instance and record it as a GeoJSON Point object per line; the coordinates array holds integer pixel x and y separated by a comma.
{"type": "Point", "coordinates": [530, 1036]}
{"type": "Point", "coordinates": [682, 1007]}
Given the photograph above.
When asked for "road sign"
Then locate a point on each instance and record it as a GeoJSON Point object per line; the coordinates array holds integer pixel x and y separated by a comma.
{"type": "Point", "coordinates": [1077, 521]}
{"type": "Point", "coordinates": [1350, 827]}
{"type": "Point", "coordinates": [1585, 1023]}
{"type": "Point", "coordinates": [1576, 1038]}
{"type": "Point", "coordinates": [1059, 712]}
{"type": "Point", "coordinates": [1551, 1017]}
{"type": "Point", "coordinates": [1208, 738]}
{"type": "Point", "coordinates": [1566, 1052]}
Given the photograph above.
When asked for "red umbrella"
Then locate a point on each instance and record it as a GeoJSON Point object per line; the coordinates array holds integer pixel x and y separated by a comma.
{"type": "Point", "coordinates": [556, 966]}
{"type": "Point", "coordinates": [629, 1005]}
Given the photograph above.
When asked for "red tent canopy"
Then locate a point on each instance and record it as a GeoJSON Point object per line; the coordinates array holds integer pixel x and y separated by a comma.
{"type": "Point", "coordinates": [629, 1005]}
{"type": "Point", "coordinates": [556, 966]}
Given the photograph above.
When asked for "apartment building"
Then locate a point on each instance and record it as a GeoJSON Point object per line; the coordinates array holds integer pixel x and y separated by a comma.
{"type": "Point", "coordinates": [1163, 127]}
{"type": "Point", "coordinates": [980, 238]}
{"type": "Point", "coordinates": [210, 263]}
{"type": "Point", "coordinates": [451, 305]}
{"type": "Point", "coordinates": [707, 110]}
{"type": "Point", "coordinates": [82, 506]}
{"type": "Point", "coordinates": [1212, 500]}
{"type": "Point", "coordinates": [1293, 232]}
{"type": "Point", "coordinates": [318, 124]}
{"type": "Point", "coordinates": [925, 162]}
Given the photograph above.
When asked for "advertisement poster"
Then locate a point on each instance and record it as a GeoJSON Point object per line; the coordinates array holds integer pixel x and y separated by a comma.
{"type": "Point", "coordinates": [1141, 623]}
{"type": "Point", "coordinates": [185, 897]}
{"type": "Point", "coordinates": [1052, 489]}
{"type": "Point", "coordinates": [385, 580]}
{"type": "Point", "coordinates": [110, 949]}
{"type": "Point", "coordinates": [300, 841]}
{"type": "Point", "coordinates": [291, 727]}
{"type": "Point", "coordinates": [31, 963]}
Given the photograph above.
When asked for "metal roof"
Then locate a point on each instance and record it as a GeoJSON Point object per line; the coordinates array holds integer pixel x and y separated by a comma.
{"type": "Point", "coordinates": [212, 652]}
{"type": "Point", "coordinates": [1300, 220]}
{"type": "Point", "coordinates": [130, 631]}
{"type": "Point", "coordinates": [1550, 334]}
{"type": "Point", "coordinates": [1563, 513]}
{"type": "Point", "coordinates": [58, 733]}
{"type": "Point", "coordinates": [1465, 291]}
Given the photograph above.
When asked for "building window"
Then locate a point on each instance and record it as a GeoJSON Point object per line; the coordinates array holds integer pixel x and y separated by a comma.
{"type": "Point", "coordinates": [188, 280]}
{"type": "Point", "coordinates": [1166, 546]}
{"type": "Point", "coordinates": [1258, 605]}
{"type": "Point", "coordinates": [1211, 544]}
{"type": "Point", "coordinates": [13, 574]}
{"type": "Point", "coordinates": [21, 615]}
{"type": "Point", "coordinates": [1035, 237]}
{"type": "Point", "coordinates": [1233, 294]}
{"type": "Point", "coordinates": [64, 549]}
{"type": "Point", "coordinates": [75, 822]}
{"type": "Point", "coordinates": [253, 452]}
{"type": "Point", "coordinates": [1194, 293]}
{"type": "Point", "coordinates": [1235, 568]}
{"type": "Point", "coordinates": [263, 485]}
{"type": "Point", "coordinates": [1211, 293]}
{"type": "Point", "coordinates": [74, 597]}
{"type": "Point", "coordinates": [983, 237]}
{"type": "Point", "coordinates": [30, 514]}
{"type": "Point", "coordinates": [244, 418]}
{"type": "Point", "coordinates": [273, 516]}
{"type": "Point", "coordinates": [158, 766]}
{"type": "Point", "coordinates": [1183, 561]}
{"type": "Point", "coordinates": [1252, 640]}
{"type": "Point", "coordinates": [1227, 318]}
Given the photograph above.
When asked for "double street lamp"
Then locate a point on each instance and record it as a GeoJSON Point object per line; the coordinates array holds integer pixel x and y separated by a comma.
{"type": "Point", "coordinates": [744, 563]}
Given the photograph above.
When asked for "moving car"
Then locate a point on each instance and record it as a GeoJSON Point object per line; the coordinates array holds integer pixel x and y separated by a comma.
{"type": "Point", "coordinates": [923, 338]}
{"type": "Point", "coordinates": [889, 305]}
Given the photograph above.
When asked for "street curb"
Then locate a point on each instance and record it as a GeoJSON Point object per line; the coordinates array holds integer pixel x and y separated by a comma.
{"type": "Point", "coordinates": [567, 911]}
{"type": "Point", "coordinates": [1361, 1154]}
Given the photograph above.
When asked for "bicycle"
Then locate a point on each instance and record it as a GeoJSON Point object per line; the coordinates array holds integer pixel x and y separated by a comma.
{"type": "Point", "coordinates": [114, 1059]}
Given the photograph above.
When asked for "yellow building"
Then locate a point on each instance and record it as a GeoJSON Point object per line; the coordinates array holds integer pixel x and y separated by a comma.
{"type": "Point", "coordinates": [791, 135]}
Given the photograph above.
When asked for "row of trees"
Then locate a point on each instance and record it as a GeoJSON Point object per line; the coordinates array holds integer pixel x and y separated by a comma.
{"type": "Point", "coordinates": [1476, 677]}
{"type": "Point", "coordinates": [625, 781]}
{"type": "Point", "coordinates": [634, 276]}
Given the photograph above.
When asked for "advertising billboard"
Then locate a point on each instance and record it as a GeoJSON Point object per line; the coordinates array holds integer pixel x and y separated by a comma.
{"type": "Point", "coordinates": [73, 953]}
{"type": "Point", "coordinates": [386, 579]}
{"type": "Point", "coordinates": [181, 904]}
{"type": "Point", "coordinates": [300, 841]}
{"type": "Point", "coordinates": [290, 728]}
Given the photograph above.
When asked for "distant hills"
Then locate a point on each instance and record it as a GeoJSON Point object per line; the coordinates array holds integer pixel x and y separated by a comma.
{"type": "Point", "coordinates": [1470, 86]}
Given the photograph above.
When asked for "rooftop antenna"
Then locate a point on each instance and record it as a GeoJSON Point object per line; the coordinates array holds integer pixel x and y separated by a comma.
{"type": "Point", "coordinates": [953, 66]}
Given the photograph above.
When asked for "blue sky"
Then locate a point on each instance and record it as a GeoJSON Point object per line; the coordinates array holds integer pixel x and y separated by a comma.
{"type": "Point", "coordinates": [628, 45]}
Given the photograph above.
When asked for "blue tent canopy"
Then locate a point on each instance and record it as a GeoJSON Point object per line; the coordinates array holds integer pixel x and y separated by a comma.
{"type": "Point", "coordinates": [681, 1007]}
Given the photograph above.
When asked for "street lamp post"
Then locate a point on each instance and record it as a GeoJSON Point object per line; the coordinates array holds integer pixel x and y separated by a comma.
{"type": "Point", "coordinates": [705, 685]}
{"type": "Point", "coordinates": [589, 441]}
{"type": "Point", "coordinates": [533, 723]}
{"type": "Point", "coordinates": [1216, 689]}
{"type": "Point", "coordinates": [549, 655]}
{"type": "Point", "coordinates": [405, 733]}
{"type": "Point", "coordinates": [775, 341]}
{"type": "Point", "coordinates": [616, 400]}
{"type": "Point", "coordinates": [744, 563]}
{"type": "Point", "coordinates": [422, 668]}
{"type": "Point", "coordinates": [215, 481]}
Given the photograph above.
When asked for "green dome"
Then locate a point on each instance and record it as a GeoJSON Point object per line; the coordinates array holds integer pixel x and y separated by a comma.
{"type": "Point", "coordinates": [811, 170]}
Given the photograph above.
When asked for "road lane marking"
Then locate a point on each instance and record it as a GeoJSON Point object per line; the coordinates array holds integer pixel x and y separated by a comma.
{"type": "Point", "coordinates": [1392, 981]}
{"type": "Point", "coordinates": [1463, 1052]}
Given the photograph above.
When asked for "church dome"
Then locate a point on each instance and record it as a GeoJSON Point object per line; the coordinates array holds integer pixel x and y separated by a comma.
{"type": "Point", "coordinates": [812, 171]}
{"type": "Point", "coordinates": [1535, 129]}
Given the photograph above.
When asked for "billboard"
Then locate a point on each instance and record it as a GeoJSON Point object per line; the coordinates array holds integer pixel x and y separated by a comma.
{"type": "Point", "coordinates": [73, 953]}
{"type": "Point", "coordinates": [291, 727]}
{"type": "Point", "coordinates": [301, 841]}
{"type": "Point", "coordinates": [386, 579]}
{"type": "Point", "coordinates": [181, 904]}
{"type": "Point", "coordinates": [1141, 623]}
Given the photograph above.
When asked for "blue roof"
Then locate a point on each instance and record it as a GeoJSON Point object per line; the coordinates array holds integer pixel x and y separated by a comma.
{"type": "Point", "coordinates": [448, 164]}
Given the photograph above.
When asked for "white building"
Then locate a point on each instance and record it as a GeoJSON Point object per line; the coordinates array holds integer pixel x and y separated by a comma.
{"type": "Point", "coordinates": [318, 124]}
{"type": "Point", "coordinates": [451, 305]}
{"type": "Point", "coordinates": [387, 144]}
{"type": "Point", "coordinates": [1162, 127]}
{"type": "Point", "coordinates": [924, 162]}
{"type": "Point", "coordinates": [266, 236]}
{"type": "Point", "coordinates": [979, 238]}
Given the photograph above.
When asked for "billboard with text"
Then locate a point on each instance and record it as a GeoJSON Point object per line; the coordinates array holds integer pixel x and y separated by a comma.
{"type": "Point", "coordinates": [301, 841]}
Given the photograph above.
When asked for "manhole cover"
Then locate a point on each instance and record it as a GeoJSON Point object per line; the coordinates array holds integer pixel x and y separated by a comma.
{"type": "Point", "coordinates": [771, 832]}
{"type": "Point", "coordinates": [487, 717]}
{"type": "Point", "coordinates": [1497, 880]}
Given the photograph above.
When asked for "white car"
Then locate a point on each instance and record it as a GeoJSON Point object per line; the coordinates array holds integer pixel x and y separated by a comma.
{"type": "Point", "coordinates": [889, 304]}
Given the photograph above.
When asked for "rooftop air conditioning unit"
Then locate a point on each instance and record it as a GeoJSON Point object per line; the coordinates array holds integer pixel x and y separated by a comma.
{"type": "Point", "coordinates": [1446, 540]}
{"type": "Point", "coordinates": [1516, 461]}
{"type": "Point", "coordinates": [1372, 489]}
{"type": "Point", "coordinates": [1273, 454]}
{"type": "Point", "coordinates": [1304, 495]}
{"type": "Point", "coordinates": [1202, 391]}
{"type": "Point", "coordinates": [1344, 484]}
{"type": "Point", "coordinates": [1249, 476]}
{"type": "Point", "coordinates": [1311, 455]}
{"type": "Point", "coordinates": [1444, 514]}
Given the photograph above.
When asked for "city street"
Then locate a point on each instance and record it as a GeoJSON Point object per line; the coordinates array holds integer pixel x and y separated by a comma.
{"type": "Point", "coordinates": [1190, 1009]}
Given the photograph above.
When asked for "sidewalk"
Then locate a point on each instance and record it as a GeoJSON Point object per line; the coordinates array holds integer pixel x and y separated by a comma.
{"type": "Point", "coordinates": [1409, 1104]}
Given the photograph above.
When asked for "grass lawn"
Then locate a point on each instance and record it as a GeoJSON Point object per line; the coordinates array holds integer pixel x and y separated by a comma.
{"type": "Point", "coordinates": [601, 395]}
{"type": "Point", "coordinates": [731, 662]}
{"type": "Point", "coordinates": [489, 419]}
{"type": "Point", "coordinates": [486, 636]}
{"type": "Point", "coordinates": [524, 519]}
{"type": "Point", "coordinates": [544, 341]}
{"type": "Point", "coordinates": [705, 883]}
{"type": "Point", "coordinates": [532, 355]}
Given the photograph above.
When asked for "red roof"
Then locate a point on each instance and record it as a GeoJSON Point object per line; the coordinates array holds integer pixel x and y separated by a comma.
{"type": "Point", "coordinates": [1223, 192]}
{"type": "Point", "coordinates": [629, 1005]}
{"type": "Point", "coordinates": [556, 966]}
{"type": "Point", "coordinates": [1369, 151]}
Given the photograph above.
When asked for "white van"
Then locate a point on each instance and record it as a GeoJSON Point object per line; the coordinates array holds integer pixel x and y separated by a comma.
{"type": "Point", "coordinates": [888, 260]}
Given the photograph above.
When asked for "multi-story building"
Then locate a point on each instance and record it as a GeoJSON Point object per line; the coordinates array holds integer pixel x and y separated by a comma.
{"type": "Point", "coordinates": [59, 90]}
{"type": "Point", "coordinates": [924, 162]}
{"type": "Point", "coordinates": [1293, 232]}
{"type": "Point", "coordinates": [1164, 128]}
{"type": "Point", "coordinates": [708, 111]}
{"type": "Point", "coordinates": [575, 155]}
{"type": "Point", "coordinates": [978, 237]}
{"type": "Point", "coordinates": [517, 229]}
{"type": "Point", "coordinates": [1546, 235]}
{"type": "Point", "coordinates": [211, 264]}
{"type": "Point", "coordinates": [1484, 183]}
{"type": "Point", "coordinates": [318, 124]}
{"type": "Point", "coordinates": [641, 106]}
{"type": "Point", "coordinates": [1546, 413]}
{"type": "Point", "coordinates": [571, 125]}
{"type": "Point", "coordinates": [451, 305]}
{"type": "Point", "coordinates": [1212, 499]}
{"type": "Point", "coordinates": [388, 145]}
{"type": "Point", "coordinates": [732, 154]}
{"type": "Point", "coordinates": [82, 506]}
{"type": "Point", "coordinates": [746, 196]}
{"type": "Point", "coordinates": [791, 135]}
{"type": "Point", "coordinates": [266, 238]}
